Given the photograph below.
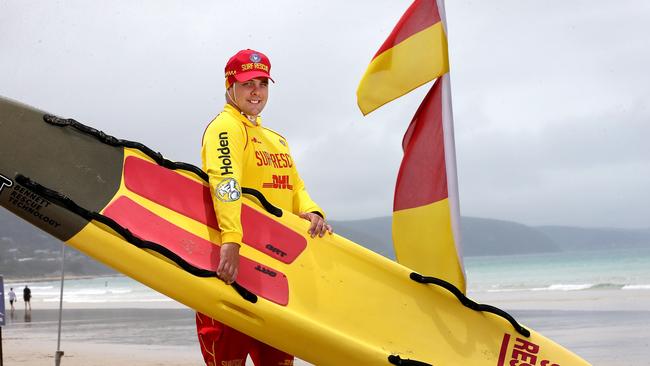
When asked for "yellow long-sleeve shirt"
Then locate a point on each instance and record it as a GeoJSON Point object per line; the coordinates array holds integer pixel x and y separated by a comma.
{"type": "Point", "coordinates": [237, 153]}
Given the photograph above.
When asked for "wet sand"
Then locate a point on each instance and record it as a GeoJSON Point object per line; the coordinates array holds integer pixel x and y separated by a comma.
{"type": "Point", "coordinates": [608, 327]}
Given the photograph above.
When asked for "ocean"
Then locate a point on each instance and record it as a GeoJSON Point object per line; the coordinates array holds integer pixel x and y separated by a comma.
{"type": "Point", "coordinates": [594, 303]}
{"type": "Point", "coordinates": [113, 291]}
{"type": "Point", "coordinates": [625, 269]}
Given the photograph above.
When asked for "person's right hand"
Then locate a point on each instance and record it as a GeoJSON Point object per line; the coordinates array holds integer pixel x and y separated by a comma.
{"type": "Point", "coordinates": [228, 262]}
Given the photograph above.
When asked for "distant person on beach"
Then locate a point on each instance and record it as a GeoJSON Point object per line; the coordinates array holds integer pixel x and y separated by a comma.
{"type": "Point", "coordinates": [12, 298]}
{"type": "Point", "coordinates": [27, 296]}
{"type": "Point", "coordinates": [239, 152]}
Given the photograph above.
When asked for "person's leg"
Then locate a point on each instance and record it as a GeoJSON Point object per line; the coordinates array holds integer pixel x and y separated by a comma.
{"type": "Point", "coordinates": [220, 344]}
{"type": "Point", "coordinates": [264, 355]}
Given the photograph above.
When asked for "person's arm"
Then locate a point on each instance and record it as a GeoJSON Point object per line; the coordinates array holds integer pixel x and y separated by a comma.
{"type": "Point", "coordinates": [308, 209]}
{"type": "Point", "coordinates": [223, 151]}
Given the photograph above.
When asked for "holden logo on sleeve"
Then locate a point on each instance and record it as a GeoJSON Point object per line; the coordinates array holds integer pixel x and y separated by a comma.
{"type": "Point", "coordinates": [228, 190]}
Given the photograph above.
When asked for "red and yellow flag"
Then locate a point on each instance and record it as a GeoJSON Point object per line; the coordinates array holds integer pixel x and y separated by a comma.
{"type": "Point", "coordinates": [414, 54]}
{"type": "Point", "coordinates": [426, 217]}
{"type": "Point", "coordinates": [426, 214]}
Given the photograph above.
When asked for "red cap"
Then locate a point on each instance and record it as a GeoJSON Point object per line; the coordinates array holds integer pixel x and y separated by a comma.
{"type": "Point", "coordinates": [247, 64]}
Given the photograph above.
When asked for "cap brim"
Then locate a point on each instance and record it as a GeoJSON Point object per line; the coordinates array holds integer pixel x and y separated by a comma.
{"type": "Point", "coordinates": [245, 76]}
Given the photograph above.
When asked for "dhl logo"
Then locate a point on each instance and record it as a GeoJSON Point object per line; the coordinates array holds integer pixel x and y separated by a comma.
{"type": "Point", "coordinates": [279, 182]}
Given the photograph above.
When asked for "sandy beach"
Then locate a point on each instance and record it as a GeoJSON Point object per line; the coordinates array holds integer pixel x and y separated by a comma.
{"type": "Point", "coordinates": [41, 352]}
{"type": "Point", "coordinates": [97, 337]}
{"type": "Point", "coordinates": [606, 327]}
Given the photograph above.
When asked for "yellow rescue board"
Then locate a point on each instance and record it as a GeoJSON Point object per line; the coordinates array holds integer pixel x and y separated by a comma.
{"type": "Point", "coordinates": [326, 300]}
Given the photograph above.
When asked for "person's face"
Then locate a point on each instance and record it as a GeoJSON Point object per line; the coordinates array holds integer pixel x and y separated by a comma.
{"type": "Point", "coordinates": [251, 95]}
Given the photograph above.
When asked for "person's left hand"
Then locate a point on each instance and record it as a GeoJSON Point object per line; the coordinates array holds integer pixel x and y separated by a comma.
{"type": "Point", "coordinates": [318, 225]}
{"type": "Point", "coordinates": [228, 262]}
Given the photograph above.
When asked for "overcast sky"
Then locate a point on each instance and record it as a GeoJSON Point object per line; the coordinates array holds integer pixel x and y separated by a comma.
{"type": "Point", "coordinates": [551, 98]}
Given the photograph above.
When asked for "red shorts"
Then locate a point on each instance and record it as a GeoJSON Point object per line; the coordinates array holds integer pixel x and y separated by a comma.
{"type": "Point", "coordinates": [224, 346]}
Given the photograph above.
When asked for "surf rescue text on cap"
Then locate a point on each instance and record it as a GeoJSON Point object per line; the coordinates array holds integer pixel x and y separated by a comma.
{"type": "Point", "coordinates": [247, 64]}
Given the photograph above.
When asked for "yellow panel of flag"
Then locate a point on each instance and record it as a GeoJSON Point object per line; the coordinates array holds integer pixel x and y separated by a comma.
{"type": "Point", "coordinates": [426, 218]}
{"type": "Point", "coordinates": [414, 54]}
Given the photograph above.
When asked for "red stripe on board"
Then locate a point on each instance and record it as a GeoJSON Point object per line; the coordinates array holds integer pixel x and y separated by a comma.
{"type": "Point", "coordinates": [192, 199]}
{"type": "Point", "coordinates": [169, 189]}
{"type": "Point", "coordinates": [271, 237]}
{"type": "Point", "coordinates": [419, 16]}
{"type": "Point", "coordinates": [504, 349]}
{"type": "Point", "coordinates": [257, 278]}
{"type": "Point", "coordinates": [422, 177]}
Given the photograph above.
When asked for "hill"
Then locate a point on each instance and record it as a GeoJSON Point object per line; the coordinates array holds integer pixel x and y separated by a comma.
{"type": "Point", "coordinates": [479, 236]}
{"type": "Point", "coordinates": [28, 252]}
{"type": "Point", "coordinates": [576, 238]}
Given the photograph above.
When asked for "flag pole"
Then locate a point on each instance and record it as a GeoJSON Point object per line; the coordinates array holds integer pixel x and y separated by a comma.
{"type": "Point", "coordinates": [59, 353]}
{"type": "Point", "coordinates": [1, 343]}
{"type": "Point", "coordinates": [2, 315]}
{"type": "Point", "coordinates": [450, 154]}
